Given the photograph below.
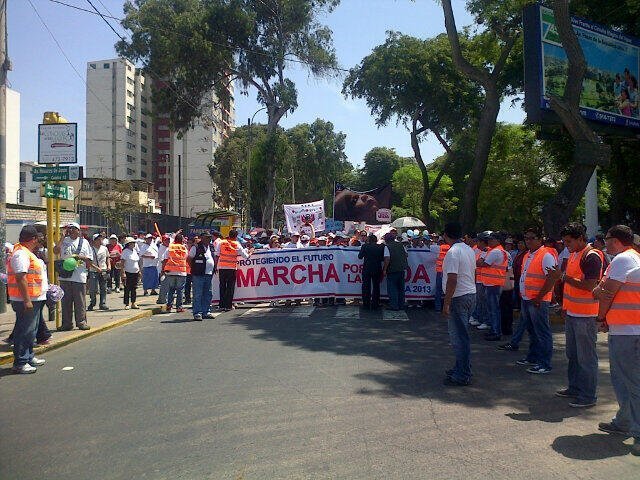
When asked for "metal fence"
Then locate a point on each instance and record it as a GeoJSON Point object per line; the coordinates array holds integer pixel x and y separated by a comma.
{"type": "Point", "coordinates": [133, 222]}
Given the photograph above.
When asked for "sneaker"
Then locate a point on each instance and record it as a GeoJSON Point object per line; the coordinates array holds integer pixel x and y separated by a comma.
{"type": "Point", "coordinates": [134, 306]}
{"type": "Point", "coordinates": [46, 341]}
{"type": "Point", "coordinates": [26, 368]}
{"type": "Point", "coordinates": [611, 427]}
{"type": "Point", "coordinates": [565, 393]}
{"type": "Point", "coordinates": [209, 315]}
{"type": "Point", "coordinates": [179, 310]}
{"type": "Point", "coordinates": [145, 293]}
{"type": "Point", "coordinates": [582, 403]}
{"type": "Point", "coordinates": [84, 326]}
{"type": "Point", "coordinates": [524, 362]}
{"type": "Point", "coordinates": [483, 326]}
{"type": "Point", "coordinates": [127, 307]}
{"type": "Point", "coordinates": [537, 369]}
{"type": "Point", "coordinates": [473, 322]}
{"type": "Point", "coordinates": [168, 308]}
{"type": "Point", "coordinates": [90, 308]}
{"type": "Point", "coordinates": [36, 362]}
{"type": "Point", "coordinates": [197, 316]}
{"type": "Point", "coordinates": [635, 449]}
{"type": "Point", "coordinates": [153, 292]}
{"type": "Point", "coordinates": [8, 341]}
{"type": "Point", "coordinates": [104, 308]}
{"type": "Point", "coordinates": [117, 290]}
{"type": "Point", "coordinates": [450, 382]}
{"type": "Point", "coordinates": [508, 347]}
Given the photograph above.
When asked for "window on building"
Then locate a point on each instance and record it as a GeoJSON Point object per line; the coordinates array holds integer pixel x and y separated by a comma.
{"type": "Point", "coordinates": [143, 99]}
{"type": "Point", "coordinates": [144, 111]}
{"type": "Point", "coordinates": [143, 124]}
{"type": "Point", "coordinates": [143, 149]}
{"type": "Point", "coordinates": [131, 146]}
{"type": "Point", "coordinates": [130, 81]}
{"type": "Point", "coordinates": [129, 68]}
{"type": "Point", "coordinates": [143, 136]}
{"type": "Point", "coordinates": [131, 133]}
{"type": "Point", "coordinates": [130, 159]}
{"type": "Point", "coordinates": [129, 93]}
{"type": "Point", "coordinates": [23, 177]}
{"type": "Point", "coordinates": [130, 107]}
{"type": "Point", "coordinates": [130, 119]}
{"type": "Point", "coordinates": [143, 162]}
{"type": "Point", "coordinates": [130, 171]}
{"type": "Point", "coordinates": [33, 190]}
{"type": "Point", "coordinates": [105, 65]}
{"type": "Point", "coordinates": [92, 65]}
{"type": "Point", "coordinates": [143, 174]}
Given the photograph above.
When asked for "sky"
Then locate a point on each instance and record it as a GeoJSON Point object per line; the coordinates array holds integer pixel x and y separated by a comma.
{"type": "Point", "coordinates": [47, 81]}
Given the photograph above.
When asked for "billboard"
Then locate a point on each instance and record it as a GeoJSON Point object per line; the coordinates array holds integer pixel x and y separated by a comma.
{"type": "Point", "coordinates": [58, 143]}
{"type": "Point", "coordinates": [372, 207]}
{"type": "Point", "coordinates": [610, 85]}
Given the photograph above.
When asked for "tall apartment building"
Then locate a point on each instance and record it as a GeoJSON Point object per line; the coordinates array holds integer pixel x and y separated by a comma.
{"type": "Point", "coordinates": [124, 142]}
{"type": "Point", "coordinates": [119, 123]}
{"type": "Point", "coordinates": [181, 174]}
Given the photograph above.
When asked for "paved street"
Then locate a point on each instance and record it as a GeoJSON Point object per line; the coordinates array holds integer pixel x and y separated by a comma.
{"type": "Point", "coordinates": [294, 394]}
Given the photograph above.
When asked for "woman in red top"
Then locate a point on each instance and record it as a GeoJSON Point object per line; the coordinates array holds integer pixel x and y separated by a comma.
{"type": "Point", "coordinates": [115, 251]}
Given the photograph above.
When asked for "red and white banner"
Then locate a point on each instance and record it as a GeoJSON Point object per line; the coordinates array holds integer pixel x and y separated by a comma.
{"type": "Point", "coordinates": [321, 272]}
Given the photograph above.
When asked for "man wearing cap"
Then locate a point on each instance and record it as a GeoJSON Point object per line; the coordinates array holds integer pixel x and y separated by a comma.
{"type": "Point", "coordinates": [115, 251]}
{"type": "Point", "coordinates": [75, 286]}
{"type": "Point", "coordinates": [27, 286]}
{"type": "Point", "coordinates": [304, 241]}
{"type": "Point", "coordinates": [98, 272]}
{"type": "Point", "coordinates": [149, 255]}
{"type": "Point", "coordinates": [227, 265]}
{"type": "Point", "coordinates": [202, 265]}
{"type": "Point", "coordinates": [294, 242]}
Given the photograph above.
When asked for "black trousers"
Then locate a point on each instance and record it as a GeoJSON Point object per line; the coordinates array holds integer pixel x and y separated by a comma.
{"type": "Point", "coordinates": [130, 285]}
{"type": "Point", "coordinates": [187, 288]}
{"type": "Point", "coordinates": [369, 300]}
{"type": "Point", "coordinates": [227, 286]}
{"type": "Point", "coordinates": [506, 311]}
{"type": "Point", "coordinates": [114, 278]}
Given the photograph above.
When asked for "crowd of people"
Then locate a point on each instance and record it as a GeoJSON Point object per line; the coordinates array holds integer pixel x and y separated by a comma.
{"type": "Point", "coordinates": [481, 280]}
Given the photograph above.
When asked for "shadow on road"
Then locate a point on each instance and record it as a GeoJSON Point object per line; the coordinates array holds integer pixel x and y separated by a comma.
{"type": "Point", "coordinates": [595, 446]}
{"type": "Point", "coordinates": [181, 320]}
{"type": "Point", "coordinates": [417, 352]}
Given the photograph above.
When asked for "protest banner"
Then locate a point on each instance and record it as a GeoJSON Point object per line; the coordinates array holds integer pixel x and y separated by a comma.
{"type": "Point", "coordinates": [305, 217]}
{"type": "Point", "coordinates": [321, 272]}
{"type": "Point", "coordinates": [372, 206]}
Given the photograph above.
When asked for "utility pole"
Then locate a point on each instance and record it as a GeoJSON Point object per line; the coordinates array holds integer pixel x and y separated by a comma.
{"type": "Point", "coordinates": [5, 66]}
{"type": "Point", "coordinates": [248, 202]}
{"type": "Point", "coordinates": [180, 190]}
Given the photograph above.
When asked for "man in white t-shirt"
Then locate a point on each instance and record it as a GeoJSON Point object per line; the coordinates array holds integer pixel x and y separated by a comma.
{"type": "Point", "coordinates": [98, 273]}
{"type": "Point", "coordinates": [459, 288]}
{"type": "Point", "coordinates": [27, 285]}
{"type": "Point", "coordinates": [619, 313]}
{"type": "Point", "coordinates": [75, 286]}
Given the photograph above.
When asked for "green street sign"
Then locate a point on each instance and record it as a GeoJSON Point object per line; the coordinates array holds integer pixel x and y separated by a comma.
{"type": "Point", "coordinates": [56, 173]}
{"type": "Point", "coordinates": [55, 190]}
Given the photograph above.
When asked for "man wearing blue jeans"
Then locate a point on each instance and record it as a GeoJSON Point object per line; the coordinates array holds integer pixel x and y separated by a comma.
{"type": "Point", "coordinates": [395, 266]}
{"type": "Point", "coordinates": [202, 267]}
{"type": "Point", "coordinates": [27, 287]}
{"type": "Point", "coordinates": [459, 268]}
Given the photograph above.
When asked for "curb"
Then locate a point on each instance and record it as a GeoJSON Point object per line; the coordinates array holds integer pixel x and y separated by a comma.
{"type": "Point", "coordinates": [146, 313]}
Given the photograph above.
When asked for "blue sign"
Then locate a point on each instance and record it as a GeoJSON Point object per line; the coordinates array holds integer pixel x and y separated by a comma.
{"type": "Point", "coordinates": [332, 225]}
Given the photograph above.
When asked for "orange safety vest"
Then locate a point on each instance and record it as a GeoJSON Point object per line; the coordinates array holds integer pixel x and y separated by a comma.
{"type": "Point", "coordinates": [444, 248]}
{"type": "Point", "coordinates": [535, 276]}
{"type": "Point", "coordinates": [34, 276]}
{"type": "Point", "coordinates": [177, 258]}
{"type": "Point", "coordinates": [496, 275]}
{"type": "Point", "coordinates": [479, 270]}
{"type": "Point", "coordinates": [575, 300]}
{"type": "Point", "coordinates": [625, 308]}
{"type": "Point", "coordinates": [228, 258]}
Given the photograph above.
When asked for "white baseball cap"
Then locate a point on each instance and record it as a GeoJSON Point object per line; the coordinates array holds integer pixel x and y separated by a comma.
{"type": "Point", "coordinates": [73, 224]}
{"type": "Point", "coordinates": [305, 238]}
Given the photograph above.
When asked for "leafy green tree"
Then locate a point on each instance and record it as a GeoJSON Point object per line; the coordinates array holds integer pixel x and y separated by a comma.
{"type": "Point", "coordinates": [196, 46]}
{"type": "Point", "coordinates": [491, 60]}
{"type": "Point", "coordinates": [379, 165]}
{"type": "Point", "coordinates": [415, 82]}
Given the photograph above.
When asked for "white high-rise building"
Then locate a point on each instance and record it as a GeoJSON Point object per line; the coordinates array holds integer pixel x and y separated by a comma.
{"type": "Point", "coordinates": [12, 175]}
{"type": "Point", "coordinates": [119, 124]}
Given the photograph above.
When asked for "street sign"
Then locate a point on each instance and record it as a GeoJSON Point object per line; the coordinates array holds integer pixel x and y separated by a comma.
{"type": "Point", "coordinates": [56, 173]}
{"type": "Point", "coordinates": [58, 143]}
{"type": "Point", "coordinates": [56, 190]}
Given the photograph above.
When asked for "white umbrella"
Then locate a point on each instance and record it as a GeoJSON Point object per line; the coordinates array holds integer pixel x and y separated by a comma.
{"type": "Point", "coordinates": [407, 222]}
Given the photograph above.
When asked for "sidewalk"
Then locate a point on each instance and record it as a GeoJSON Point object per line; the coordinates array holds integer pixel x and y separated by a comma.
{"type": "Point", "coordinates": [98, 320]}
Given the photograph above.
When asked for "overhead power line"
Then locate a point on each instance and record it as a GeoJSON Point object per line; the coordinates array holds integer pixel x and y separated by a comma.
{"type": "Point", "coordinates": [227, 46]}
